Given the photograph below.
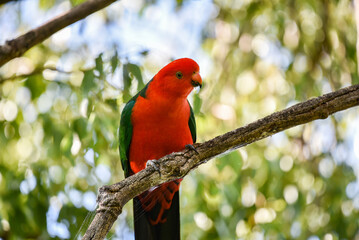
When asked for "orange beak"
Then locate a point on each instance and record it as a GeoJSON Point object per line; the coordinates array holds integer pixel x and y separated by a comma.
{"type": "Point", "coordinates": [196, 80]}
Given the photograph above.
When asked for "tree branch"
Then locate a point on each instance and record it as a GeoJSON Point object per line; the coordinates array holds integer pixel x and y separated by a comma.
{"type": "Point", "coordinates": [16, 47]}
{"type": "Point", "coordinates": [112, 198]}
{"type": "Point", "coordinates": [7, 1]}
{"type": "Point", "coordinates": [38, 70]}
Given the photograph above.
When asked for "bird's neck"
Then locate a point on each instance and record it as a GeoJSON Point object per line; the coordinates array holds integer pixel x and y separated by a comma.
{"type": "Point", "coordinates": [157, 94]}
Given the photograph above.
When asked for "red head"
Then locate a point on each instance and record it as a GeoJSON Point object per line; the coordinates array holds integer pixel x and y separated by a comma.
{"type": "Point", "coordinates": [178, 78]}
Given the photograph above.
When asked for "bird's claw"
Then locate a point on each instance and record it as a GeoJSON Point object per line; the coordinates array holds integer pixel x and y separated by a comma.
{"type": "Point", "coordinates": [154, 163]}
{"type": "Point", "coordinates": [191, 147]}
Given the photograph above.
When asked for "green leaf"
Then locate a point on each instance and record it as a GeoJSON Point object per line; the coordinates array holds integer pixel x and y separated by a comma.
{"type": "Point", "coordinates": [113, 104]}
{"type": "Point", "coordinates": [131, 70]}
{"type": "Point", "coordinates": [88, 82]}
{"type": "Point", "coordinates": [127, 81]}
{"type": "Point", "coordinates": [66, 144]}
{"type": "Point", "coordinates": [197, 103]}
{"type": "Point", "coordinates": [80, 127]}
{"type": "Point", "coordinates": [144, 52]}
{"type": "Point", "coordinates": [53, 135]}
{"type": "Point", "coordinates": [36, 85]}
{"type": "Point", "coordinates": [76, 2]}
{"type": "Point", "coordinates": [46, 4]}
{"type": "Point", "coordinates": [90, 106]}
{"type": "Point", "coordinates": [99, 65]}
{"type": "Point", "coordinates": [114, 62]}
{"type": "Point", "coordinates": [136, 72]}
{"type": "Point", "coordinates": [179, 3]}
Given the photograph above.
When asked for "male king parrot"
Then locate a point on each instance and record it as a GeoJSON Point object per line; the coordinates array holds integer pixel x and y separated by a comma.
{"type": "Point", "coordinates": [156, 122]}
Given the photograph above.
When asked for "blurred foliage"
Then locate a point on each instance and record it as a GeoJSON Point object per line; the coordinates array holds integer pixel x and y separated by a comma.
{"type": "Point", "coordinates": [58, 128]}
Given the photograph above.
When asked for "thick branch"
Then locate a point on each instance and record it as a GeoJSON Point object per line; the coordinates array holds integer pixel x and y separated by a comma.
{"type": "Point", "coordinates": [16, 47]}
{"type": "Point", "coordinates": [112, 198]}
{"type": "Point", "coordinates": [6, 1]}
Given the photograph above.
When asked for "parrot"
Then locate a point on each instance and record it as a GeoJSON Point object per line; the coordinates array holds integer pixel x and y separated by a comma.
{"type": "Point", "coordinates": [157, 121]}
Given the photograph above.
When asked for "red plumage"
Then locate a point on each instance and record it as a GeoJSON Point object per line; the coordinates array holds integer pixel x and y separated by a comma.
{"type": "Point", "coordinates": [160, 121]}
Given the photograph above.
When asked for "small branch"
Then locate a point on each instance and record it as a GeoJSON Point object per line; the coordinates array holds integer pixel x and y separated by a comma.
{"type": "Point", "coordinates": [38, 70]}
{"type": "Point", "coordinates": [18, 46]}
{"type": "Point", "coordinates": [112, 198]}
{"type": "Point", "coordinates": [7, 1]}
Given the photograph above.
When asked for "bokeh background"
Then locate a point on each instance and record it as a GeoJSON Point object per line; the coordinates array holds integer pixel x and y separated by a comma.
{"type": "Point", "coordinates": [60, 107]}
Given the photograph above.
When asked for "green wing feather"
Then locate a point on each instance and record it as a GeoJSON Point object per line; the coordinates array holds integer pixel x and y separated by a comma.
{"type": "Point", "coordinates": [126, 136]}
{"type": "Point", "coordinates": [192, 124]}
{"type": "Point", "coordinates": [126, 128]}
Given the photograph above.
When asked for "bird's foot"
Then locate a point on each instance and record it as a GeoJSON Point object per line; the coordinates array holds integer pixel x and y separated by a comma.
{"type": "Point", "coordinates": [154, 164]}
{"type": "Point", "coordinates": [191, 147]}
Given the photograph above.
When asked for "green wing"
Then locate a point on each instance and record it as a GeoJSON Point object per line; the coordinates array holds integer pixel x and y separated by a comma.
{"type": "Point", "coordinates": [192, 124]}
{"type": "Point", "coordinates": [126, 136]}
{"type": "Point", "coordinates": [126, 128]}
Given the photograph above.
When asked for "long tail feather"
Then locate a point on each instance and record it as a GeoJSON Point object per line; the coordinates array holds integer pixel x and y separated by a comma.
{"type": "Point", "coordinates": [168, 229]}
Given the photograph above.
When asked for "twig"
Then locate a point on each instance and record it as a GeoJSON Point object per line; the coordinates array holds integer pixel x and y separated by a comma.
{"type": "Point", "coordinates": [16, 47]}
{"type": "Point", "coordinates": [7, 1]}
{"type": "Point", "coordinates": [38, 70]}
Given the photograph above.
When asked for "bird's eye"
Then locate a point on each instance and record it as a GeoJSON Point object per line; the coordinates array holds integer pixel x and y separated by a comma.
{"type": "Point", "coordinates": [179, 75]}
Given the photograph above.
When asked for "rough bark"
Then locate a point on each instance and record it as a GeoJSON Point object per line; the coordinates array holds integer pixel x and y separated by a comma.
{"type": "Point", "coordinates": [18, 46]}
{"type": "Point", "coordinates": [112, 198]}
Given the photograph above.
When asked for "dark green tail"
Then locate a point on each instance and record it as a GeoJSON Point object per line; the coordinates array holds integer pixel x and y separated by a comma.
{"type": "Point", "coordinates": [162, 231]}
